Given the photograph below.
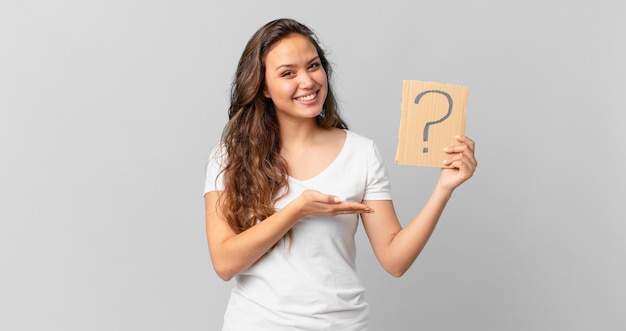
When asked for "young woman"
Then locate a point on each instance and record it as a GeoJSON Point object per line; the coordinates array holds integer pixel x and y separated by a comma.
{"type": "Point", "coordinates": [285, 188]}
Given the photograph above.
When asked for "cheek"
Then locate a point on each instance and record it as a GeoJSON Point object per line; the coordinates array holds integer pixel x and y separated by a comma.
{"type": "Point", "coordinates": [322, 76]}
{"type": "Point", "coordinates": [267, 87]}
{"type": "Point", "coordinates": [321, 79]}
{"type": "Point", "coordinates": [274, 89]}
{"type": "Point", "coordinates": [286, 89]}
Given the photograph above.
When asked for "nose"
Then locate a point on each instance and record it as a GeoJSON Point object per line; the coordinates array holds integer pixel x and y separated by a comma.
{"type": "Point", "coordinates": [307, 81]}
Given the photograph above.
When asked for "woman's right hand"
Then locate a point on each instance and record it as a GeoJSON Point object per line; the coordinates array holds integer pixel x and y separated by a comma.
{"type": "Point", "coordinates": [312, 202]}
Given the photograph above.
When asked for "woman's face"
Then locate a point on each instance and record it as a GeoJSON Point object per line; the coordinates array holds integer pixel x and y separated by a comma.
{"type": "Point", "coordinates": [294, 78]}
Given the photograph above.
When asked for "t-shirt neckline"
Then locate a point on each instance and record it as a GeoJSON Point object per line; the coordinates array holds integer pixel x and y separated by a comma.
{"type": "Point", "coordinates": [331, 165]}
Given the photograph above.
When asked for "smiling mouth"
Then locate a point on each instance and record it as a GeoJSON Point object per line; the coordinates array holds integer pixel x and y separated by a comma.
{"type": "Point", "coordinates": [307, 97]}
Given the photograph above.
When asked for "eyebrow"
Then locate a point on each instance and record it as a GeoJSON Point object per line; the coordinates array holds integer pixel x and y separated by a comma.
{"type": "Point", "coordinates": [293, 65]}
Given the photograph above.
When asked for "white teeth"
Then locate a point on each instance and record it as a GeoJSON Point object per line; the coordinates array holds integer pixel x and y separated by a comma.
{"type": "Point", "coordinates": [307, 97]}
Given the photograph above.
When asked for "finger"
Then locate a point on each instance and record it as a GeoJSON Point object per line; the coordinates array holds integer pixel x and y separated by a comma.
{"type": "Point", "coordinates": [466, 167]}
{"type": "Point", "coordinates": [353, 207]}
{"type": "Point", "coordinates": [458, 160]}
{"type": "Point", "coordinates": [459, 168]}
{"type": "Point", "coordinates": [460, 148]}
{"type": "Point", "coordinates": [453, 158]}
{"type": "Point", "coordinates": [464, 150]}
{"type": "Point", "coordinates": [472, 160]}
{"type": "Point", "coordinates": [346, 212]}
{"type": "Point", "coordinates": [324, 198]}
{"type": "Point", "coordinates": [456, 149]}
{"type": "Point", "coordinates": [467, 141]}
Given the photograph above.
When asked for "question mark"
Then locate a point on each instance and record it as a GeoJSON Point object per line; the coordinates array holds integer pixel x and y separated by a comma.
{"type": "Point", "coordinates": [417, 101]}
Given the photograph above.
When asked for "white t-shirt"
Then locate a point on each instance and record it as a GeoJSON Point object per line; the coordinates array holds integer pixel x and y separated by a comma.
{"type": "Point", "coordinates": [311, 284]}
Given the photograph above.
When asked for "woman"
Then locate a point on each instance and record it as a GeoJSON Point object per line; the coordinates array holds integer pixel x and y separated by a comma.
{"type": "Point", "coordinates": [286, 186]}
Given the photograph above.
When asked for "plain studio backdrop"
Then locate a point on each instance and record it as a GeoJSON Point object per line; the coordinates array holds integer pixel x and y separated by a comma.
{"type": "Point", "coordinates": [109, 110]}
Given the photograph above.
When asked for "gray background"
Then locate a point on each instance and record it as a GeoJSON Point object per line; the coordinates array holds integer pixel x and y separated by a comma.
{"type": "Point", "coordinates": [109, 109]}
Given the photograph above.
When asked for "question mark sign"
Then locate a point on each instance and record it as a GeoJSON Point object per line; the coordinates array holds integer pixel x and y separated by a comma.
{"type": "Point", "coordinates": [428, 124]}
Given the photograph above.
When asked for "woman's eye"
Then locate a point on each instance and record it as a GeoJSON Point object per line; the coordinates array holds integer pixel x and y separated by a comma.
{"type": "Point", "coordinates": [286, 74]}
{"type": "Point", "coordinates": [315, 65]}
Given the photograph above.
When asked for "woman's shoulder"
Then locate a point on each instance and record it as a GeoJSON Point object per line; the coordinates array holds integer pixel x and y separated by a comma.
{"type": "Point", "coordinates": [358, 138]}
{"type": "Point", "coordinates": [218, 150]}
{"type": "Point", "coordinates": [217, 155]}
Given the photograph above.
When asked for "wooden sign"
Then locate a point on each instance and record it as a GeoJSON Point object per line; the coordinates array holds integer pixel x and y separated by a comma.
{"type": "Point", "coordinates": [432, 114]}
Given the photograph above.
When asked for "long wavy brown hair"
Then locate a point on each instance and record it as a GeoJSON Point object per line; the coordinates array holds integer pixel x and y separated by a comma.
{"type": "Point", "coordinates": [255, 175]}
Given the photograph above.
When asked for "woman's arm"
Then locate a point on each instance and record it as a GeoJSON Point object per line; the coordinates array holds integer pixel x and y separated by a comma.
{"type": "Point", "coordinates": [231, 252]}
{"type": "Point", "coordinates": [396, 248]}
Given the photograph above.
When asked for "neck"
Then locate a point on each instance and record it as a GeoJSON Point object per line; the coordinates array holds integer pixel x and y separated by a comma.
{"type": "Point", "coordinates": [298, 133]}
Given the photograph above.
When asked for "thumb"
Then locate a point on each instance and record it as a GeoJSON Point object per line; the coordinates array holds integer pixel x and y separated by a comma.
{"type": "Point", "coordinates": [329, 198]}
{"type": "Point", "coordinates": [334, 199]}
{"type": "Point", "coordinates": [321, 197]}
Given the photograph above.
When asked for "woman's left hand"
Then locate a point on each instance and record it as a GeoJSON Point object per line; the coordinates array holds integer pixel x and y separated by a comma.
{"type": "Point", "coordinates": [462, 164]}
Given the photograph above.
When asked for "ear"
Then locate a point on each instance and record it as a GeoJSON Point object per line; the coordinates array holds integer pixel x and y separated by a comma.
{"type": "Point", "coordinates": [266, 93]}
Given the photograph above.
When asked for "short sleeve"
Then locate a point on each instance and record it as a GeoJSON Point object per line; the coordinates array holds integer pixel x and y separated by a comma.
{"type": "Point", "coordinates": [377, 184]}
{"type": "Point", "coordinates": [214, 178]}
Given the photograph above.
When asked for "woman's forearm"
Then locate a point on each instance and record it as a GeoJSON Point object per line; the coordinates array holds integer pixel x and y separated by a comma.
{"type": "Point", "coordinates": [409, 242]}
{"type": "Point", "coordinates": [231, 253]}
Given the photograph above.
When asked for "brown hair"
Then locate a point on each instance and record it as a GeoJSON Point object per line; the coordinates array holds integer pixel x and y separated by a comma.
{"type": "Point", "coordinates": [254, 172]}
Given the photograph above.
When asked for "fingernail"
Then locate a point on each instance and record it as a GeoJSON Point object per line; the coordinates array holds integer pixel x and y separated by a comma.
{"type": "Point", "coordinates": [446, 149]}
{"type": "Point", "coordinates": [337, 199]}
